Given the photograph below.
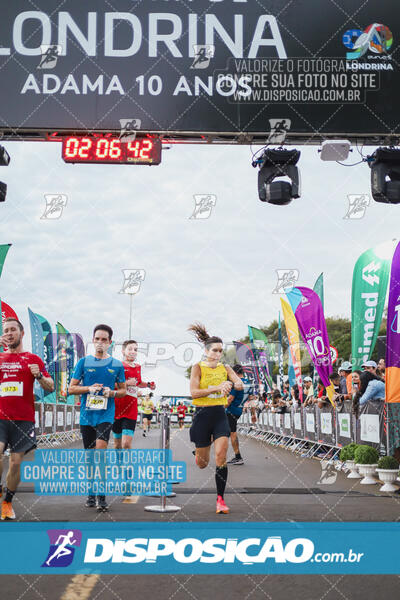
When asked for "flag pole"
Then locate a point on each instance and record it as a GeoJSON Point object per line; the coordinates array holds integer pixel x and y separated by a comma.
{"type": "Point", "coordinates": [130, 316]}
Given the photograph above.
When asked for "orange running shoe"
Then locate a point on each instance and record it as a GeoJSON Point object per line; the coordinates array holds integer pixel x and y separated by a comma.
{"type": "Point", "coordinates": [7, 511]}
{"type": "Point", "coordinates": [221, 506]}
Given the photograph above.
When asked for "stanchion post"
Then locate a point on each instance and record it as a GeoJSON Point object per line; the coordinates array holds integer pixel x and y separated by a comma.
{"type": "Point", "coordinates": [165, 435]}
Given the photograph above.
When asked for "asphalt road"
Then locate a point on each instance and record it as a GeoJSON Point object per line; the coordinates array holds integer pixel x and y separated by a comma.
{"type": "Point", "coordinates": [272, 485]}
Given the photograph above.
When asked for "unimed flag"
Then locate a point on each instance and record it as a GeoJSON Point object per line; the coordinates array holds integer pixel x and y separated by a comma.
{"type": "Point", "coordinates": [261, 348]}
{"type": "Point", "coordinates": [307, 308]}
{"type": "Point", "coordinates": [319, 288]}
{"type": "Point", "coordinates": [370, 282]}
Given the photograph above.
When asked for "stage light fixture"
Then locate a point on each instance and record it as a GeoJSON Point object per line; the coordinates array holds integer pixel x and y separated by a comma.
{"type": "Point", "coordinates": [4, 157]}
{"type": "Point", "coordinates": [3, 191]}
{"type": "Point", "coordinates": [276, 164]}
{"type": "Point", "coordinates": [385, 175]}
{"type": "Point", "coordinates": [4, 162]}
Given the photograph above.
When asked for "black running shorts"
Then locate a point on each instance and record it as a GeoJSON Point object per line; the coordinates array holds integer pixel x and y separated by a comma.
{"type": "Point", "coordinates": [123, 424]}
{"type": "Point", "coordinates": [232, 420]}
{"type": "Point", "coordinates": [90, 434]}
{"type": "Point", "coordinates": [209, 423]}
{"type": "Point", "coordinates": [18, 436]}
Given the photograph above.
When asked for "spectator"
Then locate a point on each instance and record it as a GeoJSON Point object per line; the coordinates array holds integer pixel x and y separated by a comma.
{"type": "Point", "coordinates": [356, 375]}
{"type": "Point", "coordinates": [279, 404]}
{"type": "Point", "coordinates": [380, 371]}
{"type": "Point", "coordinates": [276, 398]}
{"type": "Point", "coordinates": [322, 398]}
{"type": "Point", "coordinates": [346, 380]}
{"type": "Point", "coordinates": [252, 404]}
{"type": "Point", "coordinates": [372, 387]}
{"type": "Point", "coordinates": [260, 405]}
{"type": "Point", "coordinates": [369, 366]}
{"type": "Point", "coordinates": [308, 391]}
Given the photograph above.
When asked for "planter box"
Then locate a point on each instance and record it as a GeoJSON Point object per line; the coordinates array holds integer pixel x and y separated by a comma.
{"type": "Point", "coordinates": [388, 477]}
{"type": "Point", "coordinates": [367, 471]}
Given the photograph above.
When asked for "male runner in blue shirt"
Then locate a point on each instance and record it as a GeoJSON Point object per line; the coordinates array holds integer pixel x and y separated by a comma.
{"type": "Point", "coordinates": [236, 400]}
{"type": "Point", "coordinates": [95, 378]}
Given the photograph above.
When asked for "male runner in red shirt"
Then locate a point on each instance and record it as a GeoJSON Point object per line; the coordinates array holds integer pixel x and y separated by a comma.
{"type": "Point", "coordinates": [181, 410]}
{"type": "Point", "coordinates": [126, 408]}
{"type": "Point", "coordinates": [18, 371]}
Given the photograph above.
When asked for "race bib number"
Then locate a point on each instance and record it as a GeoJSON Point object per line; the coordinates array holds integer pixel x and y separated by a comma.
{"type": "Point", "coordinates": [96, 402]}
{"type": "Point", "coordinates": [131, 390]}
{"type": "Point", "coordinates": [12, 388]}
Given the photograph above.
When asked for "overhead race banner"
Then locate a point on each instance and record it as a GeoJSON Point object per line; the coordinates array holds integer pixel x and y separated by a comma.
{"type": "Point", "coordinates": [368, 294]}
{"type": "Point", "coordinates": [204, 66]}
{"type": "Point", "coordinates": [307, 309]}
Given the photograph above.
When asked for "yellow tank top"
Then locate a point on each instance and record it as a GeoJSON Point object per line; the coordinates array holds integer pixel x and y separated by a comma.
{"type": "Point", "coordinates": [147, 406]}
{"type": "Point", "coordinates": [210, 377]}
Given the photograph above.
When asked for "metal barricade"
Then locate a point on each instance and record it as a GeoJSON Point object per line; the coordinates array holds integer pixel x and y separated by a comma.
{"type": "Point", "coordinates": [38, 419]}
{"type": "Point", "coordinates": [48, 424]}
{"type": "Point", "coordinates": [344, 425]}
{"type": "Point", "coordinates": [321, 432]}
{"type": "Point", "coordinates": [370, 425]}
{"type": "Point", "coordinates": [310, 429]}
{"type": "Point", "coordinates": [326, 425]}
{"type": "Point", "coordinates": [298, 423]}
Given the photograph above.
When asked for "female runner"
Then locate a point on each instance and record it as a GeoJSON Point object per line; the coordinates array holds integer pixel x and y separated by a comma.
{"type": "Point", "coordinates": [209, 387]}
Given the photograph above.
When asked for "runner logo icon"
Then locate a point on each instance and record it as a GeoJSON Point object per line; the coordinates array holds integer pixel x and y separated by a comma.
{"type": "Point", "coordinates": [62, 547]}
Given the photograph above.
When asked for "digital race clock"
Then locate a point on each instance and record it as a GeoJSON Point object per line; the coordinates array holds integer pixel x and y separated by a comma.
{"type": "Point", "coordinates": [111, 150]}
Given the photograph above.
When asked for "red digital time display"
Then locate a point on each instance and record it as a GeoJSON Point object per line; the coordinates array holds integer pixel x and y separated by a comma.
{"type": "Point", "coordinates": [111, 150]}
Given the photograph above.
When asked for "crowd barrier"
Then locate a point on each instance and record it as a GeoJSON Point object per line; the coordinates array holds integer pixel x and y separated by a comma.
{"type": "Point", "coordinates": [173, 419]}
{"type": "Point", "coordinates": [57, 424]}
{"type": "Point", "coordinates": [311, 430]}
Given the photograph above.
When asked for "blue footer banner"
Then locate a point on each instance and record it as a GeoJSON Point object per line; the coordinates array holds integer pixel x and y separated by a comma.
{"type": "Point", "coordinates": [201, 548]}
